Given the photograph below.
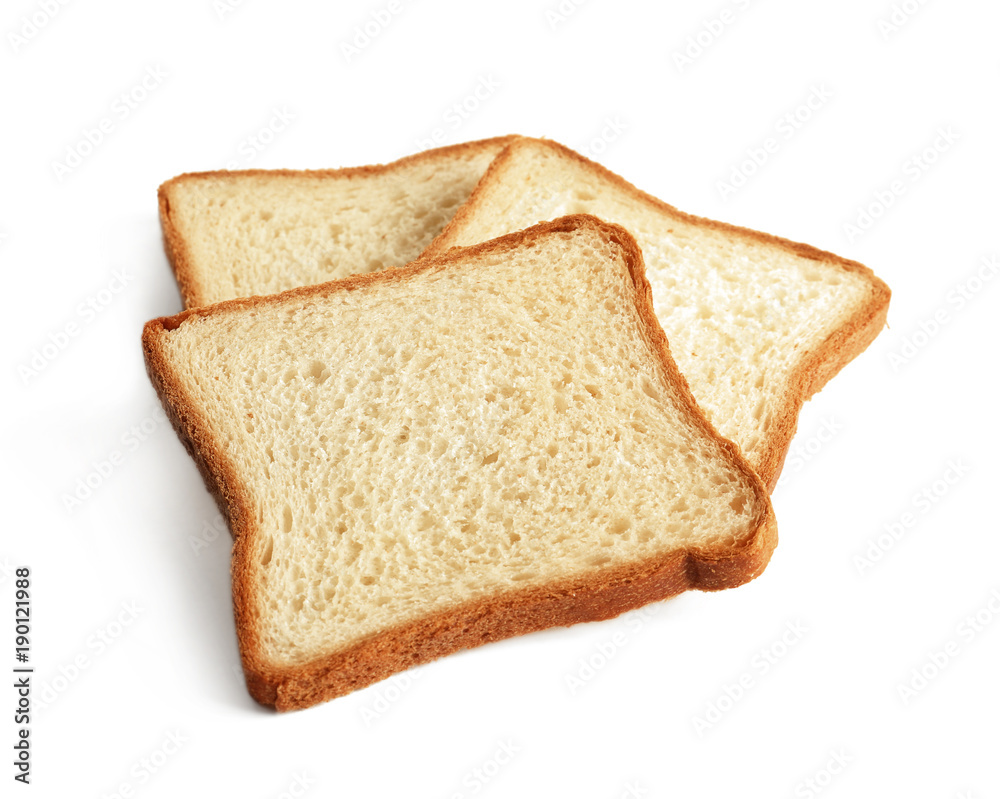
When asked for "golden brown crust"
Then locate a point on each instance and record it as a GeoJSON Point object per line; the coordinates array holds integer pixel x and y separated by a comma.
{"type": "Point", "coordinates": [814, 369]}
{"type": "Point", "coordinates": [600, 594]}
{"type": "Point", "coordinates": [178, 253]}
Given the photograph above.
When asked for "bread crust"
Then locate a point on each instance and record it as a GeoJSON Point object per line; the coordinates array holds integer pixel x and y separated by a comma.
{"type": "Point", "coordinates": [599, 594]}
{"type": "Point", "coordinates": [175, 246]}
{"type": "Point", "coordinates": [813, 370]}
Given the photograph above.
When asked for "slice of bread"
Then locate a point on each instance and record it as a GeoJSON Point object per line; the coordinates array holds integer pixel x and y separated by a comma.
{"type": "Point", "coordinates": [238, 234]}
{"type": "Point", "coordinates": [464, 449]}
{"type": "Point", "coordinates": [757, 324]}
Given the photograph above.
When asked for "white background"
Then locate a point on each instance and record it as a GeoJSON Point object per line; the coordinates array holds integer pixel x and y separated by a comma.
{"type": "Point", "coordinates": [881, 433]}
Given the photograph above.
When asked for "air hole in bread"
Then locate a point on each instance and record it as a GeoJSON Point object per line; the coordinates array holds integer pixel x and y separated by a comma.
{"type": "Point", "coordinates": [267, 551]}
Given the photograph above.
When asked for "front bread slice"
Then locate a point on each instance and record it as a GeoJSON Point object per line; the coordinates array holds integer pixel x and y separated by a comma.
{"type": "Point", "coordinates": [757, 324]}
{"type": "Point", "coordinates": [468, 448]}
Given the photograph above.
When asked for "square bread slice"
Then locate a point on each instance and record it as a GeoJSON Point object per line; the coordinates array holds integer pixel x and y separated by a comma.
{"type": "Point", "coordinates": [757, 324]}
{"type": "Point", "coordinates": [468, 448]}
{"type": "Point", "coordinates": [239, 234]}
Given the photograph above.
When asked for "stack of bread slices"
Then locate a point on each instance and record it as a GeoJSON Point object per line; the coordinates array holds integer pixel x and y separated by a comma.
{"type": "Point", "coordinates": [483, 390]}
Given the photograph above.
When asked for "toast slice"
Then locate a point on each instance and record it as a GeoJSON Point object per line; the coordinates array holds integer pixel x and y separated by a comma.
{"type": "Point", "coordinates": [756, 324]}
{"type": "Point", "coordinates": [467, 448]}
{"type": "Point", "coordinates": [238, 234]}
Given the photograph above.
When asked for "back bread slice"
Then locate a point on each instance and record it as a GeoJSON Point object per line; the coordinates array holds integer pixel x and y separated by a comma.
{"type": "Point", "coordinates": [757, 324]}
{"type": "Point", "coordinates": [238, 234]}
{"type": "Point", "coordinates": [465, 449]}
